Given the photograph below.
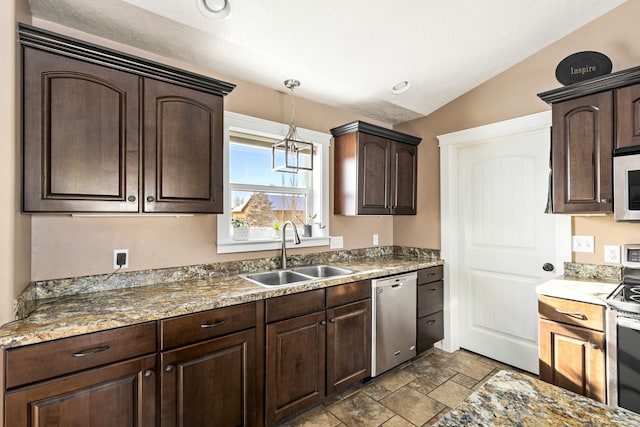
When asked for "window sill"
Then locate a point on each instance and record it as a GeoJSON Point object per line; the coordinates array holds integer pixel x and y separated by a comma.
{"type": "Point", "coordinates": [232, 246]}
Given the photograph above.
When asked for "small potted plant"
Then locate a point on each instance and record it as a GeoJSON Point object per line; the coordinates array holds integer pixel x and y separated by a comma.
{"type": "Point", "coordinates": [240, 228]}
{"type": "Point", "coordinates": [307, 226]}
{"type": "Point", "coordinates": [276, 229]}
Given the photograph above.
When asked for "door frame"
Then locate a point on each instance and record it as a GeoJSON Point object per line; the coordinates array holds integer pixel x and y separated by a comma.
{"type": "Point", "coordinates": [450, 144]}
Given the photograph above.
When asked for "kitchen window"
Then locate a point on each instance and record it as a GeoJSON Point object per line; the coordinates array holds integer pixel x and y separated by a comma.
{"type": "Point", "coordinates": [256, 193]}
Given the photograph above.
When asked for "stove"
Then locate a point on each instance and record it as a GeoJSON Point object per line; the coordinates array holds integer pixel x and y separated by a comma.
{"type": "Point", "coordinates": [623, 335]}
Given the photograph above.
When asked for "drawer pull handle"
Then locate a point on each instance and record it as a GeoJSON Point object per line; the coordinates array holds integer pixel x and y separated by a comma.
{"type": "Point", "coordinates": [577, 314]}
{"type": "Point", "coordinates": [432, 289]}
{"type": "Point", "coordinates": [431, 322]}
{"type": "Point", "coordinates": [212, 325]}
{"type": "Point", "coordinates": [91, 351]}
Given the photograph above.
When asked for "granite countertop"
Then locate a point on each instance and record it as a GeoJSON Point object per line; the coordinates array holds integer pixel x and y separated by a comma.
{"type": "Point", "coordinates": [589, 291]}
{"type": "Point", "coordinates": [67, 316]}
{"type": "Point", "coordinates": [514, 399]}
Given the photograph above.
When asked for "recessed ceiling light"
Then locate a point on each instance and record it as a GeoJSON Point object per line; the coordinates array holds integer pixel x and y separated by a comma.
{"type": "Point", "coordinates": [217, 9]}
{"type": "Point", "coordinates": [400, 87]}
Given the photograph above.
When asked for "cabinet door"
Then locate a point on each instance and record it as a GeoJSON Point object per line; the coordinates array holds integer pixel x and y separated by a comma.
{"type": "Point", "coordinates": [182, 149]}
{"type": "Point", "coordinates": [582, 146]}
{"type": "Point", "coordinates": [295, 366]}
{"type": "Point", "coordinates": [628, 117]}
{"type": "Point", "coordinates": [404, 175]}
{"type": "Point", "coordinates": [348, 345]}
{"type": "Point", "coordinates": [80, 136]}
{"type": "Point", "coordinates": [211, 383]}
{"type": "Point", "coordinates": [373, 175]}
{"type": "Point", "coordinates": [573, 358]}
{"type": "Point", "coordinates": [122, 394]}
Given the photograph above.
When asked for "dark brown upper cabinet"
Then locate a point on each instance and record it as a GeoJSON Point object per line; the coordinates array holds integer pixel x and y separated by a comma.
{"type": "Point", "coordinates": [582, 148]}
{"type": "Point", "coordinates": [592, 120]}
{"type": "Point", "coordinates": [375, 170]}
{"type": "Point", "coordinates": [108, 132]}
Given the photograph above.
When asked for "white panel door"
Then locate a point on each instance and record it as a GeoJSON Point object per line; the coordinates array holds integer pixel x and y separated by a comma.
{"type": "Point", "coordinates": [505, 238]}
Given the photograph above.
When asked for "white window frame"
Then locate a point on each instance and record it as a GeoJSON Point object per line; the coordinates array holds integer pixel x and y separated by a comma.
{"type": "Point", "coordinates": [320, 184]}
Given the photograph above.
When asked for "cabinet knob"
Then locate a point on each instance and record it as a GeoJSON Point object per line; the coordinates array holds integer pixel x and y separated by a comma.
{"type": "Point", "coordinates": [324, 322]}
{"type": "Point", "coordinates": [148, 373]}
{"type": "Point", "coordinates": [605, 200]}
{"type": "Point", "coordinates": [169, 368]}
{"type": "Point", "coordinates": [131, 198]}
{"type": "Point", "coordinates": [332, 320]}
{"type": "Point", "coordinates": [595, 346]}
{"type": "Point", "coordinates": [150, 199]}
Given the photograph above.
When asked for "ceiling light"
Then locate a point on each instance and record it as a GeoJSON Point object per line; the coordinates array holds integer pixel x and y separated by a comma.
{"type": "Point", "coordinates": [400, 87]}
{"type": "Point", "coordinates": [292, 155]}
{"type": "Point", "coordinates": [217, 9]}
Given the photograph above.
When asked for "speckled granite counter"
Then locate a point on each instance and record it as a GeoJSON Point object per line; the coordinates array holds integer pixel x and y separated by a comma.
{"type": "Point", "coordinates": [79, 314]}
{"type": "Point", "coordinates": [514, 399]}
{"type": "Point", "coordinates": [593, 292]}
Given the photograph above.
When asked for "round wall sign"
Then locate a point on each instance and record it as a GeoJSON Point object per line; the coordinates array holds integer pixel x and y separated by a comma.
{"type": "Point", "coordinates": [582, 66]}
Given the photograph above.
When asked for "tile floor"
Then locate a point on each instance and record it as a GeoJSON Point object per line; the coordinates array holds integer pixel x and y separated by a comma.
{"type": "Point", "coordinates": [417, 393]}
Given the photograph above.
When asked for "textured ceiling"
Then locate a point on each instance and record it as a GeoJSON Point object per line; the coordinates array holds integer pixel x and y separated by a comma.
{"type": "Point", "coordinates": [347, 53]}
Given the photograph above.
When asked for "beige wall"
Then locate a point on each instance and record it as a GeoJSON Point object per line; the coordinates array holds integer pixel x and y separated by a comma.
{"type": "Point", "coordinates": [513, 94]}
{"type": "Point", "coordinates": [14, 227]}
{"type": "Point", "coordinates": [65, 246]}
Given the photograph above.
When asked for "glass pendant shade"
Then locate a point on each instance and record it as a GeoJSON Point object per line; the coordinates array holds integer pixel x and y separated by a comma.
{"type": "Point", "coordinates": [291, 154]}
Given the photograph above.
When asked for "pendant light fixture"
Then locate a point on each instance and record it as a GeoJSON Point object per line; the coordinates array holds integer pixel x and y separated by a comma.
{"type": "Point", "coordinates": [291, 154]}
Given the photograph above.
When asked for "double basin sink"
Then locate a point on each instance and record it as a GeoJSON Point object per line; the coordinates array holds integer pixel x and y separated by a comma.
{"type": "Point", "coordinates": [296, 275]}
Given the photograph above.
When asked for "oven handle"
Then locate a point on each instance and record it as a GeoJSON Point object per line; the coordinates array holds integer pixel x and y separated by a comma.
{"type": "Point", "coordinates": [629, 323]}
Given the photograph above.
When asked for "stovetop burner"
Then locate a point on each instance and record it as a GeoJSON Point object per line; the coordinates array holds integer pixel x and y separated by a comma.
{"type": "Point", "coordinates": [625, 298]}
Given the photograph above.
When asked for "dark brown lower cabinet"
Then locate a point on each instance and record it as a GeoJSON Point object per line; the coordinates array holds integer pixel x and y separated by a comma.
{"type": "Point", "coordinates": [211, 383]}
{"type": "Point", "coordinates": [348, 345]}
{"type": "Point", "coordinates": [295, 366]}
{"type": "Point", "coordinates": [121, 394]}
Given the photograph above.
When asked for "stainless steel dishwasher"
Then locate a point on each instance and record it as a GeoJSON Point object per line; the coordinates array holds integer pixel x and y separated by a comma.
{"type": "Point", "coordinates": [393, 321]}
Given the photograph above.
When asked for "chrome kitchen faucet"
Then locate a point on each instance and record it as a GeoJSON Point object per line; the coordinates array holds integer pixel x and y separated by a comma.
{"type": "Point", "coordinates": [296, 239]}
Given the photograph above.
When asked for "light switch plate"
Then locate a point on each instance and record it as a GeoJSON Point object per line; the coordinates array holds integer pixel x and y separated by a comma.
{"type": "Point", "coordinates": [582, 244]}
{"type": "Point", "coordinates": [337, 242]}
{"type": "Point", "coordinates": [612, 254]}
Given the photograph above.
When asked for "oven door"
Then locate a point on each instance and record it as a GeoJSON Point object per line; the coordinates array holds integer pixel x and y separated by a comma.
{"type": "Point", "coordinates": [626, 187]}
{"type": "Point", "coordinates": [628, 362]}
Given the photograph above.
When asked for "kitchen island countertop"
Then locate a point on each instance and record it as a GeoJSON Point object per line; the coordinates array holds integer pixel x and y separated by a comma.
{"type": "Point", "coordinates": [67, 316]}
{"type": "Point", "coordinates": [514, 399]}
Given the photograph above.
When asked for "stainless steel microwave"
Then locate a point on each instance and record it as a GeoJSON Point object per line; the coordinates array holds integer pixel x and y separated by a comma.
{"type": "Point", "coordinates": [626, 187]}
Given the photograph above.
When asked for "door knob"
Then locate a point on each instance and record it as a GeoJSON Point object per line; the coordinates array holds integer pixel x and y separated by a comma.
{"type": "Point", "coordinates": [547, 266]}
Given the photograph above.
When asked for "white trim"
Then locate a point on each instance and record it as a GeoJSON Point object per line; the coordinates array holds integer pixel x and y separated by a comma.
{"type": "Point", "coordinates": [320, 176]}
{"type": "Point", "coordinates": [449, 210]}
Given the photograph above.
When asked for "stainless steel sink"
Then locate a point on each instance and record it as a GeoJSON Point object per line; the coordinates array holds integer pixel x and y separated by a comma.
{"type": "Point", "coordinates": [322, 270]}
{"type": "Point", "coordinates": [276, 278]}
{"type": "Point", "coordinates": [295, 275]}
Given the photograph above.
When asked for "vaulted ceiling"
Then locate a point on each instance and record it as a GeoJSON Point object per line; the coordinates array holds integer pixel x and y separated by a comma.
{"type": "Point", "coordinates": [347, 53]}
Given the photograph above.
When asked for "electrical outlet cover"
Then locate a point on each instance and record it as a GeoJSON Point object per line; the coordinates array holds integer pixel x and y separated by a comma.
{"type": "Point", "coordinates": [336, 242]}
{"type": "Point", "coordinates": [115, 258]}
{"type": "Point", "coordinates": [612, 254]}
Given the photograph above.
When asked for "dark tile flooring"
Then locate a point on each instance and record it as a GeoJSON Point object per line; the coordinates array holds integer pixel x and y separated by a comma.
{"type": "Point", "coordinates": [417, 393]}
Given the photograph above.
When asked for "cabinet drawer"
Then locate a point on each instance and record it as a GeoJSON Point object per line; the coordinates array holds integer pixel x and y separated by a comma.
{"type": "Point", "coordinates": [431, 274]}
{"type": "Point", "coordinates": [349, 292]}
{"type": "Point", "coordinates": [430, 330]}
{"type": "Point", "coordinates": [430, 298]}
{"type": "Point", "coordinates": [208, 324]}
{"type": "Point", "coordinates": [38, 362]}
{"type": "Point", "coordinates": [293, 305]}
{"type": "Point", "coordinates": [571, 312]}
